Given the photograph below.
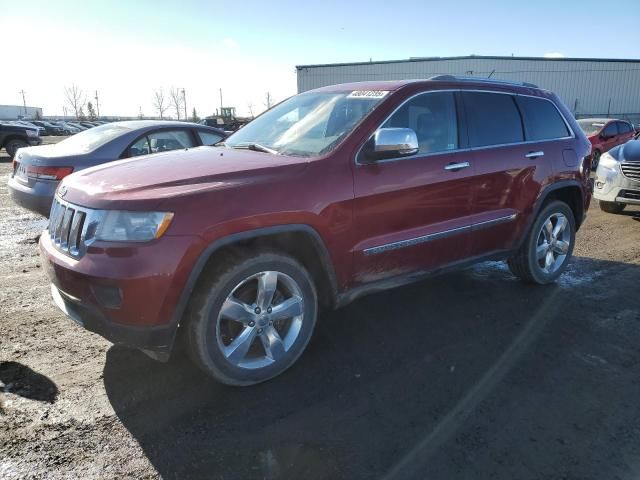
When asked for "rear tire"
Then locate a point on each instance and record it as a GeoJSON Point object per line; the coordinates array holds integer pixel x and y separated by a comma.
{"type": "Point", "coordinates": [239, 332]}
{"type": "Point", "coordinates": [595, 159]}
{"type": "Point", "coordinates": [12, 146]}
{"type": "Point", "coordinates": [547, 249]}
{"type": "Point", "coordinates": [611, 207]}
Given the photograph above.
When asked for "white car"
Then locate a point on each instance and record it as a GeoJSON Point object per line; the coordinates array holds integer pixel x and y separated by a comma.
{"type": "Point", "coordinates": [617, 182]}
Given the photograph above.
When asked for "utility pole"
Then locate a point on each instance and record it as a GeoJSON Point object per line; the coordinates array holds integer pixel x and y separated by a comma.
{"type": "Point", "coordinates": [24, 102]}
{"type": "Point", "coordinates": [184, 100]}
{"type": "Point", "coordinates": [97, 105]}
{"type": "Point", "coordinates": [220, 101]}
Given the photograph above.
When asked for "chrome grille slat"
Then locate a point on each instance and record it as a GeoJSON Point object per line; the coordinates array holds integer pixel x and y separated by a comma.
{"type": "Point", "coordinates": [67, 227]}
{"type": "Point", "coordinates": [631, 170]}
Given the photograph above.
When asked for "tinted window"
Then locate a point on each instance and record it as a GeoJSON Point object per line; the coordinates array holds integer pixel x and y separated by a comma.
{"type": "Point", "coordinates": [624, 127]}
{"type": "Point", "coordinates": [208, 138]}
{"type": "Point", "coordinates": [166, 140]}
{"type": "Point", "coordinates": [610, 130]}
{"type": "Point", "coordinates": [141, 147]}
{"type": "Point", "coordinates": [542, 121]}
{"type": "Point", "coordinates": [492, 118]}
{"type": "Point", "coordinates": [433, 117]}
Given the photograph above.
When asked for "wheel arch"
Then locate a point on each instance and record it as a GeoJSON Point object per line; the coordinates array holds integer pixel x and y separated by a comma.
{"type": "Point", "coordinates": [12, 136]}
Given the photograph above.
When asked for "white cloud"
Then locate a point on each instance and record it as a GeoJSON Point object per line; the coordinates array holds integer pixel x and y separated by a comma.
{"type": "Point", "coordinates": [230, 43]}
{"type": "Point", "coordinates": [554, 55]}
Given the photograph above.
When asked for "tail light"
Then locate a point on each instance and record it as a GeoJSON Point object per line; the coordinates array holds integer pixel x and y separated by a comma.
{"type": "Point", "coordinates": [48, 173]}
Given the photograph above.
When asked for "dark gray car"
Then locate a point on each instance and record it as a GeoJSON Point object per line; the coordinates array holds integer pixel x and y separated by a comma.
{"type": "Point", "coordinates": [38, 170]}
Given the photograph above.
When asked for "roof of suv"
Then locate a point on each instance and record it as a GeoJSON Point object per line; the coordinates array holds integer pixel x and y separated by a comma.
{"type": "Point", "coordinates": [391, 85]}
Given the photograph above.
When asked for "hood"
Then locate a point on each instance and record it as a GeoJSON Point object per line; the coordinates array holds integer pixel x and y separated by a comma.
{"type": "Point", "coordinates": [627, 152]}
{"type": "Point", "coordinates": [155, 178]}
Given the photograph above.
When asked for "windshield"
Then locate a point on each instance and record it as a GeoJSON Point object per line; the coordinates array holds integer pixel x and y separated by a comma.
{"type": "Point", "coordinates": [89, 140]}
{"type": "Point", "coordinates": [589, 127]}
{"type": "Point", "coordinates": [307, 124]}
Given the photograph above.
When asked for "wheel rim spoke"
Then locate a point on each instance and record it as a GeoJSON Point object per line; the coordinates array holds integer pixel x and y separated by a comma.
{"type": "Point", "coordinates": [541, 251]}
{"type": "Point", "coordinates": [549, 259]}
{"type": "Point", "coordinates": [560, 226]}
{"type": "Point", "coordinates": [547, 230]}
{"type": "Point", "coordinates": [236, 310]}
{"type": "Point", "coordinates": [561, 247]}
{"type": "Point", "coordinates": [291, 307]}
{"type": "Point", "coordinates": [237, 350]}
{"type": "Point", "coordinates": [273, 345]}
{"type": "Point", "coordinates": [267, 284]}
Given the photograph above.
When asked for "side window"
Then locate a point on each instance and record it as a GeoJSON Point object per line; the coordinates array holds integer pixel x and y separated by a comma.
{"type": "Point", "coordinates": [141, 147]}
{"type": "Point", "coordinates": [624, 127]}
{"type": "Point", "coordinates": [208, 138]}
{"type": "Point", "coordinates": [542, 121]}
{"type": "Point", "coordinates": [166, 140]}
{"type": "Point", "coordinates": [492, 118]}
{"type": "Point", "coordinates": [610, 130]}
{"type": "Point", "coordinates": [433, 117]}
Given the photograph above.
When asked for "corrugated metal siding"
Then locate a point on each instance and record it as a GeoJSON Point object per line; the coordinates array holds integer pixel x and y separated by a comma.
{"type": "Point", "coordinates": [587, 87]}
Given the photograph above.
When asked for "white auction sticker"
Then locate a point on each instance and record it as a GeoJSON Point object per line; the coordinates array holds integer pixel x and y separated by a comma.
{"type": "Point", "coordinates": [368, 94]}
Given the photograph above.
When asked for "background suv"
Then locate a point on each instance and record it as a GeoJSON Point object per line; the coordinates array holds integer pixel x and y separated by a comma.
{"type": "Point", "coordinates": [604, 134]}
{"type": "Point", "coordinates": [329, 195]}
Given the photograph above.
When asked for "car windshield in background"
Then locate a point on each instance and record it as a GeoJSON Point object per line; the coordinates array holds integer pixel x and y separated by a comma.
{"type": "Point", "coordinates": [589, 127]}
{"type": "Point", "coordinates": [88, 140]}
{"type": "Point", "coordinates": [307, 124]}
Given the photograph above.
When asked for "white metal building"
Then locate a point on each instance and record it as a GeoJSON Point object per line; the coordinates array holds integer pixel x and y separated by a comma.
{"type": "Point", "coordinates": [16, 112]}
{"type": "Point", "coordinates": [588, 86]}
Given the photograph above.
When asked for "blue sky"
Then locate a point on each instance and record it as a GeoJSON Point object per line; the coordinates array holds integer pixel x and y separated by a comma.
{"type": "Point", "coordinates": [126, 49]}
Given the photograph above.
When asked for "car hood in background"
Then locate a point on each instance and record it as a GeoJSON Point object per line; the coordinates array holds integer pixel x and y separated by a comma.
{"type": "Point", "coordinates": [156, 177]}
{"type": "Point", "coordinates": [627, 152]}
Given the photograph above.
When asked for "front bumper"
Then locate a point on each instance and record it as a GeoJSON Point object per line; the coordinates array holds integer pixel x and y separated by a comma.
{"type": "Point", "coordinates": [127, 294]}
{"type": "Point", "coordinates": [611, 185]}
{"type": "Point", "coordinates": [36, 198]}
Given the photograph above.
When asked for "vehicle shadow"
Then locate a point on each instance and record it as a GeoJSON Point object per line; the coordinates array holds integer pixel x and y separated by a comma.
{"type": "Point", "coordinates": [385, 383]}
{"type": "Point", "coordinates": [20, 380]}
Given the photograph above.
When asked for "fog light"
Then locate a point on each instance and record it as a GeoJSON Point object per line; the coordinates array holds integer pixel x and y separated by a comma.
{"type": "Point", "coordinates": [108, 297]}
{"type": "Point", "coordinates": [599, 184]}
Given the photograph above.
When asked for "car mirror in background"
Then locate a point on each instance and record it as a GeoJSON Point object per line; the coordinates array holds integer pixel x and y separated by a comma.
{"type": "Point", "coordinates": [391, 143]}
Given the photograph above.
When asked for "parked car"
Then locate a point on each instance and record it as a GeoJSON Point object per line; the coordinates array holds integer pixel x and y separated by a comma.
{"type": "Point", "coordinates": [72, 128]}
{"type": "Point", "coordinates": [41, 131]}
{"type": "Point", "coordinates": [617, 181]}
{"type": "Point", "coordinates": [66, 129]}
{"type": "Point", "coordinates": [329, 195]}
{"type": "Point", "coordinates": [87, 124]}
{"type": "Point", "coordinates": [49, 127]}
{"type": "Point", "coordinates": [39, 170]}
{"type": "Point", "coordinates": [604, 134]}
{"type": "Point", "coordinates": [13, 137]}
{"type": "Point", "coordinates": [79, 126]}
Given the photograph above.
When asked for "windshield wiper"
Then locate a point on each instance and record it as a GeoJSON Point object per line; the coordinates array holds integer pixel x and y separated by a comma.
{"type": "Point", "coordinates": [257, 148]}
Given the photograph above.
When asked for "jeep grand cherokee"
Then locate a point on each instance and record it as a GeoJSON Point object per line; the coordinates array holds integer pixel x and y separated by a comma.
{"type": "Point", "coordinates": [330, 194]}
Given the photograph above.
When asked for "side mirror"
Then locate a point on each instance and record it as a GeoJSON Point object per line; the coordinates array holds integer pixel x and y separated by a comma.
{"type": "Point", "coordinates": [392, 142]}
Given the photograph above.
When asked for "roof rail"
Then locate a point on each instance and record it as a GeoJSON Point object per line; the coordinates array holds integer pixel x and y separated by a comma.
{"type": "Point", "coordinates": [460, 78]}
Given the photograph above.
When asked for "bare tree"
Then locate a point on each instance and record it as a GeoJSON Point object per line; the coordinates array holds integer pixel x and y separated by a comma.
{"type": "Point", "coordinates": [250, 107]}
{"type": "Point", "coordinates": [177, 100]}
{"type": "Point", "coordinates": [76, 99]}
{"type": "Point", "coordinates": [268, 100]}
{"type": "Point", "coordinates": [160, 103]}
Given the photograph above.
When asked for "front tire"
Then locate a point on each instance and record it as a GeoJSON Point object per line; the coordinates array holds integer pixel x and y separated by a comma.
{"type": "Point", "coordinates": [611, 207]}
{"type": "Point", "coordinates": [251, 320]}
{"type": "Point", "coordinates": [12, 146]}
{"type": "Point", "coordinates": [547, 249]}
{"type": "Point", "coordinates": [595, 159]}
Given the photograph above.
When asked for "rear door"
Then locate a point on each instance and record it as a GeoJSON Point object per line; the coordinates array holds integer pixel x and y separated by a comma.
{"type": "Point", "coordinates": [160, 141]}
{"type": "Point", "coordinates": [414, 213]}
{"type": "Point", "coordinates": [509, 171]}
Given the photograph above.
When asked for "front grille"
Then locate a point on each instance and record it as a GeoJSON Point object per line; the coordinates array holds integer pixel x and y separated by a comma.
{"type": "Point", "coordinates": [66, 229]}
{"type": "Point", "coordinates": [630, 194]}
{"type": "Point", "coordinates": [631, 170]}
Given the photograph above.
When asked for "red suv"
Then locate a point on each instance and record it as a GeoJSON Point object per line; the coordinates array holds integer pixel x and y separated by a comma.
{"type": "Point", "coordinates": [604, 134]}
{"type": "Point", "coordinates": [331, 194]}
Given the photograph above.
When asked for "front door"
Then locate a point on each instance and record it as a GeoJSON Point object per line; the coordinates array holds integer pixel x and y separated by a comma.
{"type": "Point", "coordinates": [414, 213]}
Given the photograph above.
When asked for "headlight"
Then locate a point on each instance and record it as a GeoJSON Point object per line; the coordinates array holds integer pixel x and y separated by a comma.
{"type": "Point", "coordinates": [32, 133]}
{"type": "Point", "coordinates": [128, 226]}
{"type": "Point", "coordinates": [607, 161]}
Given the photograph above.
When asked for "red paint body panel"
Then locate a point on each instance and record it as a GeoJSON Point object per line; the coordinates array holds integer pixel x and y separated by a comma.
{"type": "Point", "coordinates": [353, 207]}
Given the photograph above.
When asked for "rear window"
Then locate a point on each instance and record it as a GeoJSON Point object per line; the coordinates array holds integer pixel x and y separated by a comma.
{"type": "Point", "coordinates": [492, 119]}
{"type": "Point", "coordinates": [624, 127]}
{"type": "Point", "coordinates": [542, 121]}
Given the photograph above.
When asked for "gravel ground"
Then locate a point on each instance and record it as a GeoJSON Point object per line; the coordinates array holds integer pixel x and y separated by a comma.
{"type": "Point", "coordinates": [468, 375]}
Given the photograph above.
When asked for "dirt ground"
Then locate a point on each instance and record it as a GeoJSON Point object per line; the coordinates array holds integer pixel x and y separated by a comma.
{"type": "Point", "coordinates": [469, 375]}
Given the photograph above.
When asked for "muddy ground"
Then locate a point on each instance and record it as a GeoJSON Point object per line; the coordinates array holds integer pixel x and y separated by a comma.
{"type": "Point", "coordinates": [469, 375]}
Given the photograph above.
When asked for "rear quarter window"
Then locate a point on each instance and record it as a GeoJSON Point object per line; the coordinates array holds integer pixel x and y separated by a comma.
{"type": "Point", "coordinates": [542, 121]}
{"type": "Point", "coordinates": [492, 119]}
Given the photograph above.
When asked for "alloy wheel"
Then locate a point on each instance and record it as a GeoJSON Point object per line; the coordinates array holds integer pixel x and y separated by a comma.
{"type": "Point", "coordinates": [553, 243]}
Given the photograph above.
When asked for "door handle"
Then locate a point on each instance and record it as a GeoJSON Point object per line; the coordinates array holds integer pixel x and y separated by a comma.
{"type": "Point", "coordinates": [537, 154]}
{"type": "Point", "coordinates": [454, 167]}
